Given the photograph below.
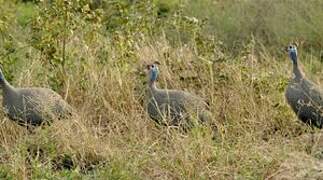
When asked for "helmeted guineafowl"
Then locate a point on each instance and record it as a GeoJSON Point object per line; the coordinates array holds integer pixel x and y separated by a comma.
{"type": "Point", "coordinates": [32, 106]}
{"type": "Point", "coordinates": [173, 107]}
{"type": "Point", "coordinates": [302, 95]}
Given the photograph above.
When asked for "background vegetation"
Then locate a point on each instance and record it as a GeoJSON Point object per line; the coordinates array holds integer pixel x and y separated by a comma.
{"type": "Point", "coordinates": [93, 53]}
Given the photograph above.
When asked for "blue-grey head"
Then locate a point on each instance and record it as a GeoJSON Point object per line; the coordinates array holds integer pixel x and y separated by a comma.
{"type": "Point", "coordinates": [153, 71]}
{"type": "Point", "coordinates": [292, 52]}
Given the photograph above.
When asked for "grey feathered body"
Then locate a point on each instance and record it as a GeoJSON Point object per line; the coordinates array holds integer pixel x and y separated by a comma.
{"type": "Point", "coordinates": [178, 106]}
{"type": "Point", "coordinates": [306, 100]}
{"type": "Point", "coordinates": [34, 106]}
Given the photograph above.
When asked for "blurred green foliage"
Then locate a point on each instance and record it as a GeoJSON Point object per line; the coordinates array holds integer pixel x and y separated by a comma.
{"type": "Point", "coordinates": [273, 23]}
{"type": "Point", "coordinates": [216, 29]}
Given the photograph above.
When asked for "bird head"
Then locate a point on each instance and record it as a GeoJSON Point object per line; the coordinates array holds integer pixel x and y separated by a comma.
{"type": "Point", "coordinates": [153, 71]}
{"type": "Point", "coordinates": [292, 52]}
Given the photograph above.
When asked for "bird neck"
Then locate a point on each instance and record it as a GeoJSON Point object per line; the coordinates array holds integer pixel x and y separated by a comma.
{"type": "Point", "coordinates": [6, 86]}
{"type": "Point", "coordinates": [297, 71]}
{"type": "Point", "coordinates": [152, 85]}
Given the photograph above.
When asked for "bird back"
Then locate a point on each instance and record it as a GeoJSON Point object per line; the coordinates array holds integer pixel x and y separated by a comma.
{"type": "Point", "coordinates": [35, 105]}
{"type": "Point", "coordinates": [306, 101]}
{"type": "Point", "coordinates": [176, 105]}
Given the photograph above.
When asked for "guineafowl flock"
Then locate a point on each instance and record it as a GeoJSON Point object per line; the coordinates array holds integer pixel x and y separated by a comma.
{"type": "Point", "coordinates": [37, 106]}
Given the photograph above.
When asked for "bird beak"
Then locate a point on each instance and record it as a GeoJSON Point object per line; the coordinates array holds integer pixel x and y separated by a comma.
{"type": "Point", "coordinates": [147, 69]}
{"type": "Point", "coordinates": [286, 49]}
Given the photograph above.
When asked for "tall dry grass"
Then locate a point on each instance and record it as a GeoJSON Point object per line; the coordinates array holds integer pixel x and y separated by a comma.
{"type": "Point", "coordinates": [114, 137]}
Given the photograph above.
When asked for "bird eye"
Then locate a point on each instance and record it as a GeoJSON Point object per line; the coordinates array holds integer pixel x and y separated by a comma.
{"type": "Point", "coordinates": [290, 47]}
{"type": "Point", "coordinates": [152, 66]}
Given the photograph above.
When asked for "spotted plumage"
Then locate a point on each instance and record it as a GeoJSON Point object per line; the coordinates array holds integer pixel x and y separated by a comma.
{"type": "Point", "coordinates": [174, 107]}
{"type": "Point", "coordinates": [304, 97]}
{"type": "Point", "coordinates": [32, 106]}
